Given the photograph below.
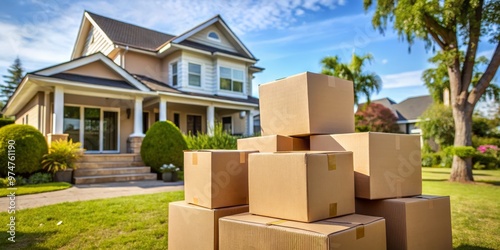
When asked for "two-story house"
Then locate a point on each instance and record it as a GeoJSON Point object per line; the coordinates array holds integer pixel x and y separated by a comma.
{"type": "Point", "coordinates": [122, 78]}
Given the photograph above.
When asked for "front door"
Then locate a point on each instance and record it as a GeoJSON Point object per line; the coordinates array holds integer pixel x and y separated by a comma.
{"type": "Point", "coordinates": [96, 128]}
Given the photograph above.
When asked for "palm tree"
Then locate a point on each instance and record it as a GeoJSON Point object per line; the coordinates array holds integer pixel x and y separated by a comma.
{"type": "Point", "coordinates": [364, 83]}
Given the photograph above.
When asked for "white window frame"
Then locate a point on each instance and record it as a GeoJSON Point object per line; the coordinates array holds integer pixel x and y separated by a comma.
{"type": "Point", "coordinates": [176, 63]}
{"type": "Point", "coordinates": [212, 38]}
{"type": "Point", "coordinates": [232, 80]}
{"type": "Point", "coordinates": [189, 73]}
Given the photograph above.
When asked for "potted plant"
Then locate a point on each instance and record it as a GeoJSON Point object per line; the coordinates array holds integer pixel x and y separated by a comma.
{"type": "Point", "coordinates": [60, 161]}
{"type": "Point", "coordinates": [169, 172]}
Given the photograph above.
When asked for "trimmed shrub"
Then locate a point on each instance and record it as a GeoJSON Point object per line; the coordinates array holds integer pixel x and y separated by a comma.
{"type": "Point", "coordinates": [38, 178]}
{"type": "Point", "coordinates": [62, 155]}
{"type": "Point", "coordinates": [431, 159]}
{"type": "Point", "coordinates": [478, 141]}
{"type": "Point", "coordinates": [464, 151]}
{"type": "Point", "coordinates": [30, 146]}
{"type": "Point", "coordinates": [5, 121]}
{"type": "Point", "coordinates": [163, 144]}
{"type": "Point", "coordinates": [220, 140]}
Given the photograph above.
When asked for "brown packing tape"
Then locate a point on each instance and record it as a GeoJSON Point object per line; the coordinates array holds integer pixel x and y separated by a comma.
{"type": "Point", "coordinates": [195, 200]}
{"type": "Point", "coordinates": [243, 158]}
{"type": "Point", "coordinates": [360, 232]}
{"type": "Point", "coordinates": [276, 222]}
{"type": "Point", "coordinates": [332, 162]}
{"type": "Point", "coordinates": [333, 209]}
{"type": "Point", "coordinates": [194, 159]}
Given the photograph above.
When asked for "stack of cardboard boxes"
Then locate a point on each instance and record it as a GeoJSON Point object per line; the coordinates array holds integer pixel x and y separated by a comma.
{"type": "Point", "coordinates": [314, 183]}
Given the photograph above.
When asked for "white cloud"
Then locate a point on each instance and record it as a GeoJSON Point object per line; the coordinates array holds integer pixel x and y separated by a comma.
{"type": "Point", "coordinates": [403, 79]}
{"type": "Point", "coordinates": [384, 61]}
{"type": "Point", "coordinates": [299, 12]}
{"type": "Point", "coordinates": [487, 53]}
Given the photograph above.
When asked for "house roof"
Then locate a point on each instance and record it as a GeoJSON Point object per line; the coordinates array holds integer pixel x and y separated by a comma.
{"type": "Point", "coordinates": [94, 80]}
{"type": "Point", "coordinates": [130, 35]}
{"type": "Point", "coordinates": [413, 107]}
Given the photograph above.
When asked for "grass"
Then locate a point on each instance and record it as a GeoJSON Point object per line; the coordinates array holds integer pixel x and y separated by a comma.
{"type": "Point", "coordinates": [475, 207]}
{"type": "Point", "coordinates": [141, 222]}
{"type": "Point", "coordinates": [36, 188]}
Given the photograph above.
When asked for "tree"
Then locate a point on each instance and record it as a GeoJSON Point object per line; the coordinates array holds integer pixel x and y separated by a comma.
{"type": "Point", "coordinates": [13, 79]}
{"type": "Point", "coordinates": [376, 117]}
{"type": "Point", "coordinates": [364, 83]}
{"type": "Point", "coordinates": [437, 125]}
{"type": "Point", "coordinates": [455, 26]}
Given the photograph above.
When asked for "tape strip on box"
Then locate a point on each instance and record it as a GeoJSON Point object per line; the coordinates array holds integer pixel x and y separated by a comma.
{"type": "Point", "coordinates": [333, 209]}
{"type": "Point", "coordinates": [332, 162]}
{"type": "Point", "coordinates": [360, 232]}
{"type": "Point", "coordinates": [243, 157]}
{"type": "Point", "coordinates": [194, 159]}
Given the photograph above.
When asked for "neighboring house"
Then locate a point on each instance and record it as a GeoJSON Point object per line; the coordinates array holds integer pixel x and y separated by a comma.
{"type": "Point", "coordinates": [122, 78]}
{"type": "Point", "coordinates": [407, 111]}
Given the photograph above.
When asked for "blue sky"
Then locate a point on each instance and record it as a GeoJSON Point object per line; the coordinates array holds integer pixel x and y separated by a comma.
{"type": "Point", "coordinates": [288, 36]}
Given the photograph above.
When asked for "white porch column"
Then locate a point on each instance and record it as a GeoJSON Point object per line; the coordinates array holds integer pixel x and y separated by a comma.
{"type": "Point", "coordinates": [210, 120]}
{"type": "Point", "coordinates": [138, 117]}
{"type": "Point", "coordinates": [163, 108]}
{"type": "Point", "coordinates": [249, 115]}
{"type": "Point", "coordinates": [58, 117]}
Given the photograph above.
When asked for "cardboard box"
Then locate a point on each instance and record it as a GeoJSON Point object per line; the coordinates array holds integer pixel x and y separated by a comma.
{"type": "Point", "coordinates": [302, 186]}
{"type": "Point", "coordinates": [385, 165]}
{"type": "Point", "coordinates": [194, 227]}
{"type": "Point", "coordinates": [273, 143]}
{"type": "Point", "coordinates": [307, 104]}
{"type": "Point", "coordinates": [246, 231]}
{"type": "Point", "coordinates": [421, 222]}
{"type": "Point", "coordinates": [216, 178]}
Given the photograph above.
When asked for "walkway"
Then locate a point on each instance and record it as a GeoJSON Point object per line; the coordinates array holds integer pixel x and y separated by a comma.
{"type": "Point", "coordinates": [92, 192]}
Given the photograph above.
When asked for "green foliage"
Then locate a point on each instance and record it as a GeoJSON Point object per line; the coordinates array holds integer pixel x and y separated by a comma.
{"type": "Point", "coordinates": [38, 178]}
{"type": "Point", "coordinates": [163, 144]}
{"type": "Point", "coordinates": [220, 140]}
{"type": "Point", "coordinates": [21, 181]}
{"type": "Point", "coordinates": [464, 151]}
{"type": "Point", "coordinates": [376, 117]}
{"type": "Point", "coordinates": [4, 122]}
{"type": "Point", "coordinates": [437, 124]}
{"type": "Point", "coordinates": [13, 79]}
{"type": "Point", "coordinates": [62, 155]}
{"type": "Point", "coordinates": [364, 83]}
{"type": "Point", "coordinates": [431, 159]}
{"type": "Point", "coordinates": [30, 146]}
{"type": "Point", "coordinates": [478, 141]}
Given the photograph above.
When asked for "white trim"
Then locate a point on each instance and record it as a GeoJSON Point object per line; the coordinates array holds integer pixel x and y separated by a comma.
{"type": "Point", "coordinates": [195, 30]}
{"type": "Point", "coordinates": [211, 38]}
{"type": "Point", "coordinates": [176, 61]}
{"type": "Point", "coordinates": [192, 49]}
{"type": "Point", "coordinates": [90, 59]}
{"type": "Point", "coordinates": [136, 50]}
{"type": "Point", "coordinates": [208, 99]}
{"type": "Point", "coordinates": [222, 54]}
{"type": "Point", "coordinates": [202, 71]}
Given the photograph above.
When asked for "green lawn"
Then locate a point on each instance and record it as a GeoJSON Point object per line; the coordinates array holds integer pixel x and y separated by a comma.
{"type": "Point", "coordinates": [36, 188]}
{"type": "Point", "coordinates": [140, 222]}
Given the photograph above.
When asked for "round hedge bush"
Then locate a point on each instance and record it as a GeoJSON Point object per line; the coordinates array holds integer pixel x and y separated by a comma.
{"type": "Point", "coordinates": [163, 144]}
{"type": "Point", "coordinates": [30, 146]}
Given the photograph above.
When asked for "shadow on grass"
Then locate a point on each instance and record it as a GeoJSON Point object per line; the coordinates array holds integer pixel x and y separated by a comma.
{"type": "Point", "coordinates": [469, 247]}
{"type": "Point", "coordinates": [440, 180]}
{"type": "Point", "coordinates": [437, 172]}
{"type": "Point", "coordinates": [27, 241]}
{"type": "Point", "coordinates": [494, 183]}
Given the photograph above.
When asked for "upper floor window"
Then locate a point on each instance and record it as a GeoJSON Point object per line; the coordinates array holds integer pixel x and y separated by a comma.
{"type": "Point", "coordinates": [194, 75]}
{"type": "Point", "coordinates": [231, 79]}
{"type": "Point", "coordinates": [175, 77]}
{"type": "Point", "coordinates": [214, 36]}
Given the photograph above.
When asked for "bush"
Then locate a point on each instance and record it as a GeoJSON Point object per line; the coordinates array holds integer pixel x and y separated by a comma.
{"type": "Point", "coordinates": [488, 157]}
{"type": "Point", "coordinates": [163, 144]}
{"type": "Point", "coordinates": [62, 155]}
{"type": "Point", "coordinates": [437, 124]}
{"type": "Point", "coordinates": [38, 178]}
{"type": "Point", "coordinates": [376, 117]}
{"type": "Point", "coordinates": [478, 141]}
{"type": "Point", "coordinates": [220, 140]}
{"type": "Point", "coordinates": [431, 159]}
{"type": "Point", "coordinates": [30, 146]}
{"type": "Point", "coordinates": [464, 151]}
{"type": "Point", "coordinates": [4, 122]}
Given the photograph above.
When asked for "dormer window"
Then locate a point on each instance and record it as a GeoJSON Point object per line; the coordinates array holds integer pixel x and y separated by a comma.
{"type": "Point", "coordinates": [213, 36]}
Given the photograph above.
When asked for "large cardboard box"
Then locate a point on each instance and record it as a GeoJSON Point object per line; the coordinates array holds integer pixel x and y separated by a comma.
{"type": "Point", "coordinates": [306, 104]}
{"type": "Point", "coordinates": [421, 222]}
{"type": "Point", "coordinates": [385, 165]}
{"type": "Point", "coordinates": [195, 227]}
{"type": "Point", "coordinates": [246, 231]}
{"type": "Point", "coordinates": [302, 186]}
{"type": "Point", "coordinates": [273, 143]}
{"type": "Point", "coordinates": [216, 178]}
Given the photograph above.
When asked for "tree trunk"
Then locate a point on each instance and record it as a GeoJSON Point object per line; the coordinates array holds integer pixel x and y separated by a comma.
{"type": "Point", "coordinates": [461, 170]}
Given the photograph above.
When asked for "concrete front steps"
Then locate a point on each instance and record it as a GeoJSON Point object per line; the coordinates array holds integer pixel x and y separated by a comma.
{"type": "Point", "coordinates": [105, 168]}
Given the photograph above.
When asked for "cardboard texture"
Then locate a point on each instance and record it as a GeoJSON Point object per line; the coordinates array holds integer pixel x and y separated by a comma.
{"type": "Point", "coordinates": [194, 227]}
{"type": "Point", "coordinates": [246, 231]}
{"type": "Point", "coordinates": [422, 222]}
{"type": "Point", "coordinates": [216, 178]}
{"type": "Point", "coordinates": [301, 186]}
{"type": "Point", "coordinates": [307, 104]}
{"type": "Point", "coordinates": [385, 165]}
{"type": "Point", "coordinates": [273, 143]}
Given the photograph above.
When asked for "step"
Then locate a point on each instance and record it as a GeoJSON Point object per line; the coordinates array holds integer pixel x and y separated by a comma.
{"type": "Point", "coordinates": [110, 171]}
{"type": "Point", "coordinates": [114, 178]}
{"type": "Point", "coordinates": [108, 164]}
{"type": "Point", "coordinates": [110, 157]}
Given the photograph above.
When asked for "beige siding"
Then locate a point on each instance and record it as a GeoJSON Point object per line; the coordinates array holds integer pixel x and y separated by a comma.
{"type": "Point", "coordinates": [165, 66]}
{"type": "Point", "coordinates": [32, 111]}
{"type": "Point", "coordinates": [96, 69]}
{"type": "Point", "coordinates": [202, 37]}
{"type": "Point", "coordinates": [137, 63]}
{"type": "Point", "coordinates": [207, 72]}
{"type": "Point", "coordinates": [96, 43]}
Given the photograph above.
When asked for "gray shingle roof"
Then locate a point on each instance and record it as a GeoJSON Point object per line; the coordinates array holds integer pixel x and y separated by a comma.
{"type": "Point", "coordinates": [413, 107]}
{"type": "Point", "coordinates": [94, 80]}
{"type": "Point", "coordinates": [131, 35]}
